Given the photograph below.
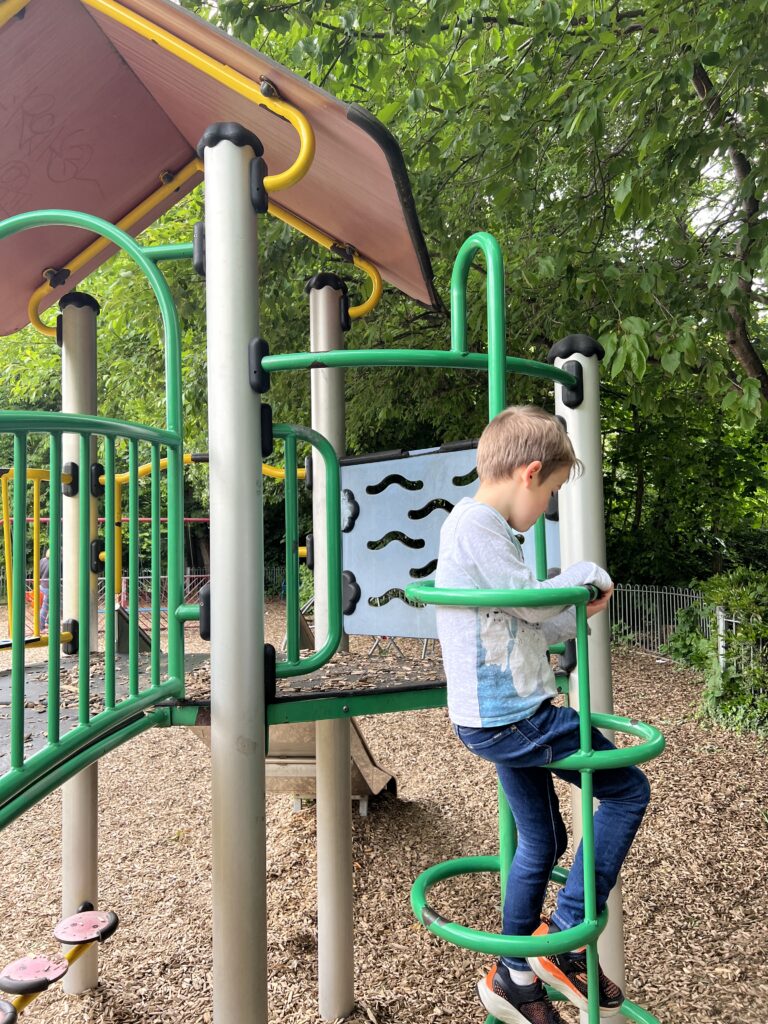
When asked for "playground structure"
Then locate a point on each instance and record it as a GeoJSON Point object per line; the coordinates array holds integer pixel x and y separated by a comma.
{"type": "Point", "coordinates": [181, 85]}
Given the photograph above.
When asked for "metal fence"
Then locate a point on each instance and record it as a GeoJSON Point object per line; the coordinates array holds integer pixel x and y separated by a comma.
{"type": "Point", "coordinates": [747, 657]}
{"type": "Point", "coordinates": [641, 616]}
{"type": "Point", "coordinates": [645, 616]}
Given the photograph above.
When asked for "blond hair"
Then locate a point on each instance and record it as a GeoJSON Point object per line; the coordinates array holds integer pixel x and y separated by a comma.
{"type": "Point", "coordinates": [518, 436]}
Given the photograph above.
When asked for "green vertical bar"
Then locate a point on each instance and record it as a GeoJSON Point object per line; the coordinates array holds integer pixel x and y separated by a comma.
{"type": "Point", "coordinates": [587, 820]}
{"type": "Point", "coordinates": [291, 550]}
{"type": "Point", "coordinates": [54, 587]}
{"type": "Point", "coordinates": [19, 630]}
{"type": "Point", "coordinates": [497, 400]}
{"type": "Point", "coordinates": [582, 661]}
{"type": "Point", "coordinates": [540, 547]}
{"type": "Point", "coordinates": [175, 560]}
{"type": "Point", "coordinates": [157, 598]}
{"type": "Point", "coordinates": [110, 517]}
{"type": "Point", "coordinates": [495, 299]}
{"type": "Point", "coordinates": [175, 471]}
{"type": "Point", "coordinates": [84, 594]}
{"type": "Point", "coordinates": [133, 568]}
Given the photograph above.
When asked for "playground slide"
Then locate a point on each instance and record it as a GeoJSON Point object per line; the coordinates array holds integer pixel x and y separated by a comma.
{"type": "Point", "coordinates": [291, 765]}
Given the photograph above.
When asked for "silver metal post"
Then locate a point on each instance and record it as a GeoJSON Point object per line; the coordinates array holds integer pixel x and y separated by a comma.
{"type": "Point", "coordinates": [582, 537]}
{"type": "Point", "coordinates": [79, 808]}
{"type": "Point", "coordinates": [237, 583]}
{"type": "Point", "coordinates": [332, 743]}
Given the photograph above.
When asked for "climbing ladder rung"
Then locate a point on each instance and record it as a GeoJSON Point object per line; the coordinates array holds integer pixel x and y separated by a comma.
{"type": "Point", "coordinates": [32, 974]}
{"type": "Point", "coordinates": [86, 926]}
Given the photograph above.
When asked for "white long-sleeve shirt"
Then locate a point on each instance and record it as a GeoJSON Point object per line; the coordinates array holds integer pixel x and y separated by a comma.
{"type": "Point", "coordinates": [495, 659]}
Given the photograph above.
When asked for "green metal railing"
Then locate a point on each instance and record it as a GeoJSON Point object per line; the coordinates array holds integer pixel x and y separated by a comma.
{"type": "Point", "coordinates": [30, 777]}
{"type": "Point", "coordinates": [20, 784]}
{"type": "Point", "coordinates": [294, 664]}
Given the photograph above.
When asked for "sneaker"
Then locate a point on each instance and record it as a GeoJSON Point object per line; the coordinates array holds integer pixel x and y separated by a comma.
{"type": "Point", "coordinates": [515, 1004]}
{"type": "Point", "coordinates": [566, 973]}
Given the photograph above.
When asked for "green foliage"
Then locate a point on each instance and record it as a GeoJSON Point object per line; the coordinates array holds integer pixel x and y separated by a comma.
{"type": "Point", "coordinates": [576, 134]}
{"type": "Point", "coordinates": [736, 693]}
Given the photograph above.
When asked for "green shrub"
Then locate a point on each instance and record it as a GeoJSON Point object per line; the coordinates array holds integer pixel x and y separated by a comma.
{"type": "Point", "coordinates": [736, 694]}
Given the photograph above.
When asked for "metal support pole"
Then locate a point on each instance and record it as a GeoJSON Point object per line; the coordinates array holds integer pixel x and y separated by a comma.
{"type": "Point", "coordinates": [332, 745]}
{"type": "Point", "coordinates": [79, 809]}
{"type": "Point", "coordinates": [237, 582]}
{"type": "Point", "coordinates": [582, 537]}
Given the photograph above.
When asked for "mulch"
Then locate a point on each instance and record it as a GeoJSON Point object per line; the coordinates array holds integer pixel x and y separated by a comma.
{"type": "Point", "coordinates": [695, 894]}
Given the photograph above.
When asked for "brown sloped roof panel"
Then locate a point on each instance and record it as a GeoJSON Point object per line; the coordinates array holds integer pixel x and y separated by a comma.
{"type": "Point", "coordinates": [127, 110]}
{"type": "Point", "coordinates": [66, 143]}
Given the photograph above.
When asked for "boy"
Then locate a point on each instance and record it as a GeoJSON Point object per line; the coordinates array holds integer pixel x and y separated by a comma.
{"type": "Point", "coordinates": [500, 691]}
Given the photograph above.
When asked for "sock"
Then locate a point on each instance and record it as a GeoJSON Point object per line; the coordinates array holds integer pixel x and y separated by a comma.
{"type": "Point", "coordinates": [522, 977]}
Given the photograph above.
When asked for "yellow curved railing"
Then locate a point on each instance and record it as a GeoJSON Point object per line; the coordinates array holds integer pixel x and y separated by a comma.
{"type": "Point", "coordinates": [11, 8]}
{"type": "Point", "coordinates": [228, 77]}
{"type": "Point", "coordinates": [272, 183]}
{"type": "Point", "coordinates": [125, 223]}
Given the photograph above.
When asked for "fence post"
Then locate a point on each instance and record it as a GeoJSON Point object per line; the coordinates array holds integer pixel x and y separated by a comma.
{"type": "Point", "coordinates": [720, 613]}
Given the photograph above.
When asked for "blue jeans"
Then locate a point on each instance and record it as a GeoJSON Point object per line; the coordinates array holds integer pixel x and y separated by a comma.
{"type": "Point", "coordinates": [521, 753]}
{"type": "Point", "coordinates": [43, 608]}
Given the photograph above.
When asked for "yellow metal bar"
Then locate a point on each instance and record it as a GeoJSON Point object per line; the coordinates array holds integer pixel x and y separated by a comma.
{"type": "Point", "coordinates": [7, 543]}
{"type": "Point", "coordinates": [40, 474]}
{"type": "Point", "coordinates": [328, 243]}
{"type": "Point", "coordinates": [42, 641]}
{"type": "Point", "coordinates": [10, 8]}
{"type": "Point", "coordinates": [146, 470]}
{"type": "Point", "coordinates": [372, 301]}
{"type": "Point", "coordinates": [118, 527]}
{"type": "Point", "coordinates": [227, 76]}
{"type": "Point", "coordinates": [36, 557]}
{"type": "Point", "coordinates": [127, 222]}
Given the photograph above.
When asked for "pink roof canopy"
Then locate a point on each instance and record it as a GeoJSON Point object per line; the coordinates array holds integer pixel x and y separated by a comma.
{"type": "Point", "coordinates": [93, 115]}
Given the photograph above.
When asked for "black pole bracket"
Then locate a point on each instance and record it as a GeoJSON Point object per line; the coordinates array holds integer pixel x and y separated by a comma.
{"type": "Point", "coordinates": [205, 611]}
{"type": "Point", "coordinates": [257, 375]}
{"type": "Point", "coordinates": [198, 248]}
{"type": "Point", "coordinates": [97, 488]}
{"type": "Point", "coordinates": [73, 470]}
{"type": "Point", "coordinates": [267, 437]}
{"type": "Point", "coordinates": [258, 172]}
{"type": "Point", "coordinates": [97, 548]}
{"type": "Point", "coordinates": [573, 397]}
{"type": "Point", "coordinates": [270, 674]}
{"type": "Point", "coordinates": [71, 626]}
{"type": "Point", "coordinates": [308, 473]}
{"type": "Point", "coordinates": [310, 559]}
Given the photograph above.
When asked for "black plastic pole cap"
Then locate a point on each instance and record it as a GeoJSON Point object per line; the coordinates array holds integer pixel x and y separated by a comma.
{"type": "Point", "coordinates": [575, 344]}
{"type": "Point", "coordinates": [80, 300]}
{"type": "Point", "coordinates": [326, 280]}
{"type": "Point", "coordinates": [229, 131]}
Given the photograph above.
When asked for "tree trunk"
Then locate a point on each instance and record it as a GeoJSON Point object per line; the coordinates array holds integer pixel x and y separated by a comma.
{"type": "Point", "coordinates": [738, 335]}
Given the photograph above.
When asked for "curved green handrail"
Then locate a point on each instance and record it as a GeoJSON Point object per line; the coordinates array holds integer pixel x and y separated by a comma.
{"type": "Point", "coordinates": [98, 226]}
{"type": "Point", "coordinates": [296, 665]}
{"type": "Point", "coordinates": [483, 242]}
{"type": "Point", "coordinates": [174, 410]}
{"type": "Point", "coordinates": [354, 358]}
{"type": "Point", "coordinates": [492, 943]}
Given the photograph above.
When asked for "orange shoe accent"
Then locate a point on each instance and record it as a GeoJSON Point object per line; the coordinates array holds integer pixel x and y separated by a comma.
{"type": "Point", "coordinates": [490, 976]}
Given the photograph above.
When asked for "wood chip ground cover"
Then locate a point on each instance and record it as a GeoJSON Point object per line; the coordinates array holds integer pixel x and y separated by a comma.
{"type": "Point", "coordinates": [696, 903]}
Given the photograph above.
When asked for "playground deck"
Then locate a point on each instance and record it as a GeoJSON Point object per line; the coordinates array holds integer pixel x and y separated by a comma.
{"type": "Point", "coordinates": [696, 902]}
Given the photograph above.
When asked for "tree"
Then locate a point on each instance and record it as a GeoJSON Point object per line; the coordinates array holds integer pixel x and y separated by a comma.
{"type": "Point", "coordinates": [618, 153]}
